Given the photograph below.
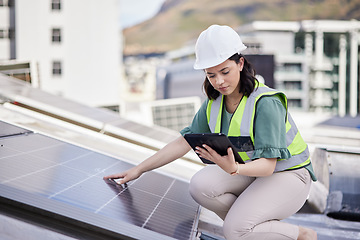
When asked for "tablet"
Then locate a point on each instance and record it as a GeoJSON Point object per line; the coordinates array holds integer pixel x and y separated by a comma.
{"type": "Point", "coordinates": [217, 141]}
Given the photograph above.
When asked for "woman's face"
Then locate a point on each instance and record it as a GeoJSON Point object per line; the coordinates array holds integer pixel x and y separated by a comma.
{"type": "Point", "coordinates": [225, 77]}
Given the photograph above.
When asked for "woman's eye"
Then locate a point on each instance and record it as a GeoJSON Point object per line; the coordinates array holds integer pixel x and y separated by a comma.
{"type": "Point", "coordinates": [211, 76]}
{"type": "Point", "coordinates": [226, 72]}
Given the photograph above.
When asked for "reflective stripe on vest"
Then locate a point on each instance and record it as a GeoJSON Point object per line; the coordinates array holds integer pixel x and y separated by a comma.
{"type": "Point", "coordinates": [242, 126]}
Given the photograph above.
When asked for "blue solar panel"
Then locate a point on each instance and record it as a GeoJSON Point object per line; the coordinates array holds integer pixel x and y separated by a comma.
{"type": "Point", "coordinates": [64, 181]}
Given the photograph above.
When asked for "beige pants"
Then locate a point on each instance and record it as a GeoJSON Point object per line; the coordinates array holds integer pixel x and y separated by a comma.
{"type": "Point", "coordinates": [252, 207]}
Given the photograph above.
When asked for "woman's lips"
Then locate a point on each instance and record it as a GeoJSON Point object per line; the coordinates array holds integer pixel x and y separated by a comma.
{"type": "Point", "coordinates": [223, 89]}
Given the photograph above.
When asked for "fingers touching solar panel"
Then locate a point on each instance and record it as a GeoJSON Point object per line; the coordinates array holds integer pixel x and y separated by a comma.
{"type": "Point", "coordinates": [66, 180]}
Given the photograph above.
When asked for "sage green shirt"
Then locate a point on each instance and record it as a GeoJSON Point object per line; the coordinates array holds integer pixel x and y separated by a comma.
{"type": "Point", "coordinates": [269, 128]}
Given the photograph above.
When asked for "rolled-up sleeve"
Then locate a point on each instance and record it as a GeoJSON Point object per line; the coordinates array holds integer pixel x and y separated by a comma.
{"type": "Point", "coordinates": [270, 129]}
{"type": "Point", "coordinates": [199, 123]}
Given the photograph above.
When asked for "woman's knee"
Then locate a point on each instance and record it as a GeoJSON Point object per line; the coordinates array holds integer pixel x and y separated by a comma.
{"type": "Point", "coordinates": [197, 186]}
{"type": "Point", "coordinates": [208, 193]}
{"type": "Point", "coordinates": [203, 181]}
{"type": "Point", "coordinates": [235, 228]}
{"type": "Point", "coordinates": [238, 223]}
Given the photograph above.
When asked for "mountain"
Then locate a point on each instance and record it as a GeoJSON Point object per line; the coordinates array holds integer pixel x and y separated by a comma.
{"type": "Point", "coordinates": [181, 21]}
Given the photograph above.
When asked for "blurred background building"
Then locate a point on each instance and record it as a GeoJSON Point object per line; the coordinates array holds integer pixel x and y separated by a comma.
{"type": "Point", "coordinates": [315, 62]}
{"type": "Point", "coordinates": [68, 48]}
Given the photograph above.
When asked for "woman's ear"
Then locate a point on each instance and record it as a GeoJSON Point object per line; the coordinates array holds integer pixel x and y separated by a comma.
{"type": "Point", "coordinates": [241, 63]}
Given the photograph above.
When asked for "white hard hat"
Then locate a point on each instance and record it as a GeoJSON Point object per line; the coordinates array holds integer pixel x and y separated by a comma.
{"type": "Point", "coordinates": [215, 45]}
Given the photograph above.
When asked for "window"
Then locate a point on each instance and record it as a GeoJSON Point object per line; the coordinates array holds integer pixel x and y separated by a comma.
{"type": "Point", "coordinates": [56, 35]}
{"type": "Point", "coordinates": [55, 5]}
{"type": "Point", "coordinates": [7, 3]}
{"type": "Point", "coordinates": [11, 34]}
{"type": "Point", "coordinates": [2, 33]}
{"type": "Point", "coordinates": [56, 68]}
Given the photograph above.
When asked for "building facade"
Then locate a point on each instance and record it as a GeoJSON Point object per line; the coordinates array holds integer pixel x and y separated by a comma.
{"type": "Point", "coordinates": [76, 46]}
{"type": "Point", "coordinates": [317, 61]}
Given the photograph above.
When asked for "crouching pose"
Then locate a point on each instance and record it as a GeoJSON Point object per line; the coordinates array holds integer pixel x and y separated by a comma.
{"type": "Point", "coordinates": [275, 180]}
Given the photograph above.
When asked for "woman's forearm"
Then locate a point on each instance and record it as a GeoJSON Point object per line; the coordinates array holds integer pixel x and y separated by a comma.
{"type": "Point", "coordinates": [261, 167]}
{"type": "Point", "coordinates": [172, 151]}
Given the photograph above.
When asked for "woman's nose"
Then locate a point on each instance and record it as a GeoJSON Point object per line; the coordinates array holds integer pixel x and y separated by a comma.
{"type": "Point", "coordinates": [219, 80]}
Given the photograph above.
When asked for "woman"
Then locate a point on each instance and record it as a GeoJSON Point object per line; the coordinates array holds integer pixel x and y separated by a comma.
{"type": "Point", "coordinates": [275, 181]}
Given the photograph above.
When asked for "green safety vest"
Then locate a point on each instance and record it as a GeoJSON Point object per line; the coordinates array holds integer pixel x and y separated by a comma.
{"type": "Point", "coordinates": [241, 129]}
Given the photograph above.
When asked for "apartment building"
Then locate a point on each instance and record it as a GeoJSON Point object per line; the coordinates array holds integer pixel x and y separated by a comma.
{"type": "Point", "coordinates": [74, 45]}
{"type": "Point", "coordinates": [316, 61]}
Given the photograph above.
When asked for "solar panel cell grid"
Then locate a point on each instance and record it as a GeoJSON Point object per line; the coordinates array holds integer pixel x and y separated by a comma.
{"type": "Point", "coordinates": [66, 175]}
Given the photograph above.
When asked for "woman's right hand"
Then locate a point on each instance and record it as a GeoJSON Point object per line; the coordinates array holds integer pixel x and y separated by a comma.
{"type": "Point", "coordinates": [131, 174]}
{"type": "Point", "coordinates": [172, 151]}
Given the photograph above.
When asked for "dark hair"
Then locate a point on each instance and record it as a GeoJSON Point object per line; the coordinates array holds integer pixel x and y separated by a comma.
{"type": "Point", "coordinates": [247, 79]}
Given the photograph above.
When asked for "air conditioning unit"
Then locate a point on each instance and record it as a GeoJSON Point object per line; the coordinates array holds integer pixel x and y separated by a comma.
{"type": "Point", "coordinates": [175, 113]}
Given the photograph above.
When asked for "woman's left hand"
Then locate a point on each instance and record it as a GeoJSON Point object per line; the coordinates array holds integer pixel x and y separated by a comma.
{"type": "Point", "coordinates": [226, 162]}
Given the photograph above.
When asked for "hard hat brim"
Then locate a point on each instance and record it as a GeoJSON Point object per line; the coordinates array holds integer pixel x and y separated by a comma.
{"type": "Point", "coordinates": [214, 62]}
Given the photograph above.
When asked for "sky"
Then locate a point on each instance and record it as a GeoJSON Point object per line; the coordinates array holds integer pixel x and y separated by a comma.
{"type": "Point", "coordinates": [133, 12]}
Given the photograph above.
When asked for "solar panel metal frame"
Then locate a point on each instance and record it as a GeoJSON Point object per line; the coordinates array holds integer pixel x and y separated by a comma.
{"type": "Point", "coordinates": [11, 130]}
{"type": "Point", "coordinates": [97, 119]}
